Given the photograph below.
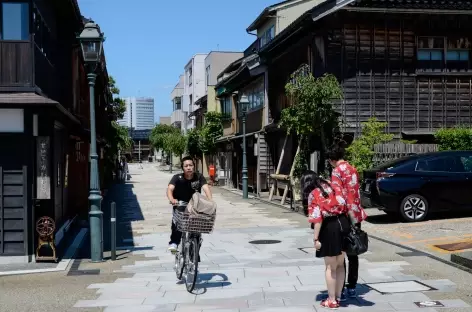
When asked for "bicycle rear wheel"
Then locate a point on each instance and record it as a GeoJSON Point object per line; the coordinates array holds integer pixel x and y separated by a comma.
{"type": "Point", "coordinates": [191, 266]}
{"type": "Point", "coordinates": [180, 260]}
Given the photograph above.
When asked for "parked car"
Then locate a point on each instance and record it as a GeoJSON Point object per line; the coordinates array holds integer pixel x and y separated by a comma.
{"type": "Point", "coordinates": [417, 185]}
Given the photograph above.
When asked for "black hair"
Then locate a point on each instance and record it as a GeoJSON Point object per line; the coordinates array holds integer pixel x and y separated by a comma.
{"type": "Point", "coordinates": [185, 159]}
{"type": "Point", "coordinates": [337, 151]}
{"type": "Point", "coordinates": [308, 182]}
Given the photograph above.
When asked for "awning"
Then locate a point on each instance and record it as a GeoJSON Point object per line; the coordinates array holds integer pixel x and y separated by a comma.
{"type": "Point", "coordinates": [34, 99]}
{"type": "Point", "coordinates": [233, 136]}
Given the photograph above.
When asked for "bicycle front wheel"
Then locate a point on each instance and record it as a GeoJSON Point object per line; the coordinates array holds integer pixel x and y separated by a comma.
{"type": "Point", "coordinates": [191, 267]}
{"type": "Point", "coordinates": [180, 261]}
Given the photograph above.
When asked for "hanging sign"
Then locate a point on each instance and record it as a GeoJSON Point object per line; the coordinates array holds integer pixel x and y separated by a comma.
{"type": "Point", "coordinates": [43, 174]}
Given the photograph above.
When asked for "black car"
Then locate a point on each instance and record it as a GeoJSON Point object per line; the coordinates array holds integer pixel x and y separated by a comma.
{"type": "Point", "coordinates": [416, 185]}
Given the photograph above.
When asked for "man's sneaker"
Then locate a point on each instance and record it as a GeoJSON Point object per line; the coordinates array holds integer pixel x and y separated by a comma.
{"type": "Point", "coordinates": [328, 304]}
{"type": "Point", "coordinates": [172, 248]}
{"type": "Point", "coordinates": [351, 293]}
{"type": "Point", "coordinates": [343, 296]}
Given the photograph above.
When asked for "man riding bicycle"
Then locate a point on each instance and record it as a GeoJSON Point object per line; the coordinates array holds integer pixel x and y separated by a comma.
{"type": "Point", "coordinates": [181, 188]}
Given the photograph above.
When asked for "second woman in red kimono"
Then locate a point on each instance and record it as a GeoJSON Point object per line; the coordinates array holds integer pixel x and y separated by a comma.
{"type": "Point", "coordinates": [327, 210]}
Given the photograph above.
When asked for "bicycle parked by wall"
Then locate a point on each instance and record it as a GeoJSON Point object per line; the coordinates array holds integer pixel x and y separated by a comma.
{"type": "Point", "coordinates": [187, 255]}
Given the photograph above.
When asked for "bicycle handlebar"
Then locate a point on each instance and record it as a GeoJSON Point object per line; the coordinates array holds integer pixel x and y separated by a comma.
{"type": "Point", "coordinates": [180, 203]}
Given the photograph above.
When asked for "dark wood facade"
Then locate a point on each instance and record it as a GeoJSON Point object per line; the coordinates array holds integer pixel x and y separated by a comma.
{"type": "Point", "coordinates": [42, 76]}
{"type": "Point", "coordinates": [411, 70]}
{"type": "Point", "coordinates": [405, 62]}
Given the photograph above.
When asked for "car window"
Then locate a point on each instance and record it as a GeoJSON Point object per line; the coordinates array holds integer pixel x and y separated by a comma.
{"type": "Point", "coordinates": [439, 164]}
{"type": "Point", "coordinates": [466, 161]}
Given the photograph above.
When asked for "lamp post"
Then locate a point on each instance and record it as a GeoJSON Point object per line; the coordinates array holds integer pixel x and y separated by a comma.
{"type": "Point", "coordinates": [91, 43]}
{"type": "Point", "coordinates": [244, 103]}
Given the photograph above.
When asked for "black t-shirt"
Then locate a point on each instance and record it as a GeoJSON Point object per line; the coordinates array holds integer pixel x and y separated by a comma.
{"type": "Point", "coordinates": [184, 189]}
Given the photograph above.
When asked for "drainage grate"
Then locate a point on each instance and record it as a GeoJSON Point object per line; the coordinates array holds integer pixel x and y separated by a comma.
{"type": "Point", "coordinates": [264, 242]}
{"type": "Point", "coordinates": [456, 246]}
{"type": "Point", "coordinates": [429, 304]}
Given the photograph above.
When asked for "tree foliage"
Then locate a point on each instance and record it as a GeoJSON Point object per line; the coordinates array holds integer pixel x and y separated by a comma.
{"type": "Point", "coordinates": [459, 138]}
{"type": "Point", "coordinates": [193, 143]}
{"type": "Point", "coordinates": [312, 100]}
{"type": "Point", "coordinates": [361, 151]}
{"type": "Point", "coordinates": [311, 112]}
{"type": "Point", "coordinates": [210, 132]}
{"type": "Point", "coordinates": [168, 139]}
{"type": "Point", "coordinates": [117, 106]}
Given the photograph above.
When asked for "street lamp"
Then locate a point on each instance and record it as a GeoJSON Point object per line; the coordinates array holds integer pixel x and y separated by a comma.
{"type": "Point", "coordinates": [91, 43]}
{"type": "Point", "coordinates": [244, 103]}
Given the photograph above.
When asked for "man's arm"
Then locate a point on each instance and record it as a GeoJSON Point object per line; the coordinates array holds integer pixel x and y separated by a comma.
{"type": "Point", "coordinates": [170, 190]}
{"type": "Point", "coordinates": [170, 194]}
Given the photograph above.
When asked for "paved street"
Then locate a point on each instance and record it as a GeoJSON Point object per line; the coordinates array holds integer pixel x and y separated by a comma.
{"type": "Point", "coordinates": [272, 278]}
{"type": "Point", "coordinates": [276, 277]}
{"type": "Point", "coordinates": [427, 236]}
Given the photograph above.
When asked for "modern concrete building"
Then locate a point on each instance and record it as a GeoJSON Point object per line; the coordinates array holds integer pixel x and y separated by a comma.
{"type": "Point", "coordinates": [139, 113]}
{"type": "Point", "coordinates": [178, 117]}
{"type": "Point", "coordinates": [194, 85]}
{"type": "Point", "coordinates": [215, 63]}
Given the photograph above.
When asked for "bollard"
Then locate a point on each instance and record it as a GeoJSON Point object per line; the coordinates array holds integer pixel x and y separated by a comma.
{"type": "Point", "coordinates": [113, 231]}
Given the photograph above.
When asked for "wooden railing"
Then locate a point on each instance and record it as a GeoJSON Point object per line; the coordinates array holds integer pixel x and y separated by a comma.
{"type": "Point", "coordinates": [253, 48]}
{"type": "Point", "coordinates": [16, 64]}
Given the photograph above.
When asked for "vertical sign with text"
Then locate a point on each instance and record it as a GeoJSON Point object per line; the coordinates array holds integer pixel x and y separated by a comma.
{"type": "Point", "coordinates": [43, 174]}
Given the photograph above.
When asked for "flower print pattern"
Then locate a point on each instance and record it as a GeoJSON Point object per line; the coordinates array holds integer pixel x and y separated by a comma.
{"type": "Point", "coordinates": [320, 207]}
{"type": "Point", "coordinates": [346, 178]}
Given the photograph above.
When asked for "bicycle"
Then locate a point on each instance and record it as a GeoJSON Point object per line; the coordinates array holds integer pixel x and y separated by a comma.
{"type": "Point", "coordinates": [187, 255]}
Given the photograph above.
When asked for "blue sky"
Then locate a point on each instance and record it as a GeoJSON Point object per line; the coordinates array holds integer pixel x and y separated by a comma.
{"type": "Point", "coordinates": [148, 42]}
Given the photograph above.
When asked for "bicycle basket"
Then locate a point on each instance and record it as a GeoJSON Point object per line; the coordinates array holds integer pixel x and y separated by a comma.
{"type": "Point", "coordinates": [194, 224]}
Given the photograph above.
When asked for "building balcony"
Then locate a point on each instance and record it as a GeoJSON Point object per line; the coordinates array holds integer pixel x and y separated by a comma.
{"type": "Point", "coordinates": [253, 48]}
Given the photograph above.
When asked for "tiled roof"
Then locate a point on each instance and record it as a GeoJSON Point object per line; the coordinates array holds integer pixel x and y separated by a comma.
{"type": "Point", "coordinates": [416, 4]}
{"type": "Point", "coordinates": [25, 98]}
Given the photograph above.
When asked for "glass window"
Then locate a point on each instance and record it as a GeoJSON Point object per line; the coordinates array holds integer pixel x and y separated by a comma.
{"type": "Point", "coordinates": [439, 164]}
{"type": "Point", "coordinates": [15, 21]}
{"type": "Point", "coordinates": [457, 55]}
{"type": "Point", "coordinates": [467, 163]}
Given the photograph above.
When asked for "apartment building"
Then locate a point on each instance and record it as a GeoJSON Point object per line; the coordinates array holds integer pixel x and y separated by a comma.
{"type": "Point", "coordinates": [194, 85]}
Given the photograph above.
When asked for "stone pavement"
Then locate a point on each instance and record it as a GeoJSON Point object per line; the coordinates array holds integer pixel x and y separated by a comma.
{"type": "Point", "coordinates": [236, 275]}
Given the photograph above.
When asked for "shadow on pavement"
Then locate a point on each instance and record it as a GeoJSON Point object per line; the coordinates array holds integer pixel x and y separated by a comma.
{"type": "Point", "coordinates": [206, 280]}
{"type": "Point", "coordinates": [352, 302]}
{"type": "Point", "coordinates": [128, 210]}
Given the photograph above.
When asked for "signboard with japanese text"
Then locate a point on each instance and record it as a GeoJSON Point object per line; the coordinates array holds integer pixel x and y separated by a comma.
{"type": "Point", "coordinates": [43, 169]}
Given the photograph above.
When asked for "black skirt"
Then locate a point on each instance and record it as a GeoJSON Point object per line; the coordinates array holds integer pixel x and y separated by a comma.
{"type": "Point", "coordinates": [332, 233]}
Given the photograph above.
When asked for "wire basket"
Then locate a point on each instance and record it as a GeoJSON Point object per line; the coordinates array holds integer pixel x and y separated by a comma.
{"type": "Point", "coordinates": [194, 224]}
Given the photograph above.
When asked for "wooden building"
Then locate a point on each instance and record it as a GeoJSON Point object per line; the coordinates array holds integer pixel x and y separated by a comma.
{"type": "Point", "coordinates": [44, 122]}
{"type": "Point", "coordinates": [406, 62]}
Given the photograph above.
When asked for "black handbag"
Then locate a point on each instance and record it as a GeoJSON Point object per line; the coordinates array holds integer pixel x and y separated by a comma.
{"type": "Point", "coordinates": [356, 241]}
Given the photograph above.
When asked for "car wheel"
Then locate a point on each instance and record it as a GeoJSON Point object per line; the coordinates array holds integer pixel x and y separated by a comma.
{"type": "Point", "coordinates": [414, 208]}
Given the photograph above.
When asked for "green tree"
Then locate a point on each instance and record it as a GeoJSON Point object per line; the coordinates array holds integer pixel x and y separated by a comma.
{"type": "Point", "coordinates": [361, 151]}
{"type": "Point", "coordinates": [193, 143]}
{"type": "Point", "coordinates": [168, 139]}
{"type": "Point", "coordinates": [117, 106]}
{"type": "Point", "coordinates": [311, 112]}
{"type": "Point", "coordinates": [211, 131]}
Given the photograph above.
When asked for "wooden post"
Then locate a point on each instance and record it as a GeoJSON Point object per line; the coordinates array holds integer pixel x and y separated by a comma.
{"type": "Point", "coordinates": [291, 174]}
{"type": "Point", "coordinates": [277, 171]}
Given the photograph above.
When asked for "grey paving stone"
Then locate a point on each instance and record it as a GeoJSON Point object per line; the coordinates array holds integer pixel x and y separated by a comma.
{"type": "Point", "coordinates": [398, 287]}
{"type": "Point", "coordinates": [107, 303]}
{"type": "Point", "coordinates": [454, 303]}
{"type": "Point", "coordinates": [299, 308]}
{"type": "Point", "coordinates": [137, 308]}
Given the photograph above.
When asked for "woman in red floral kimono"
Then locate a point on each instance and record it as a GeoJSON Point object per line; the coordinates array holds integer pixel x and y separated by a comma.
{"type": "Point", "coordinates": [327, 210]}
